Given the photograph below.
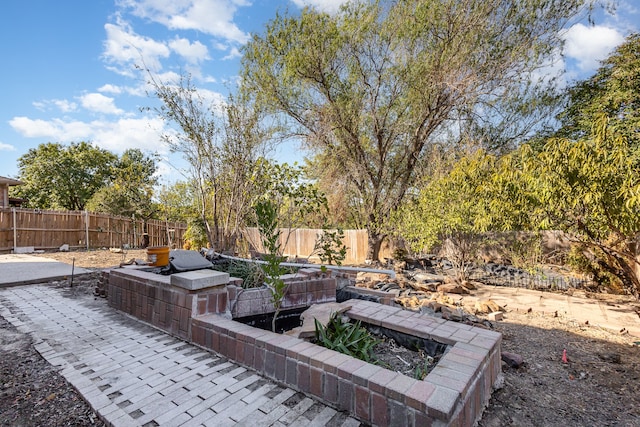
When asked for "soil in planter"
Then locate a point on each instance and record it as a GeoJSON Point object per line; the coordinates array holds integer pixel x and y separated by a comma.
{"type": "Point", "coordinates": [412, 356]}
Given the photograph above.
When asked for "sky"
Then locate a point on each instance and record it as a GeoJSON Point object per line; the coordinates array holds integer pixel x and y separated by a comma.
{"type": "Point", "coordinates": [68, 70]}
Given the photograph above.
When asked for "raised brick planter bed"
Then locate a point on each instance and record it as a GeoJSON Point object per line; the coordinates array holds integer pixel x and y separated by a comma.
{"type": "Point", "coordinates": [453, 393]}
{"type": "Point", "coordinates": [307, 287]}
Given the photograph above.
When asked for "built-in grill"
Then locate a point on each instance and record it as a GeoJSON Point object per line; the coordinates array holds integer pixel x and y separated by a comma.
{"type": "Point", "coordinates": [181, 260]}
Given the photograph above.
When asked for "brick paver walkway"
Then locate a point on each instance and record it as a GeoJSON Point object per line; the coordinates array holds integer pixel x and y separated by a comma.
{"type": "Point", "coordinates": [134, 375]}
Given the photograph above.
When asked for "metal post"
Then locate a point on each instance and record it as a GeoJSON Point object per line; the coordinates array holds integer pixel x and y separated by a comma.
{"type": "Point", "coordinates": [15, 229]}
{"type": "Point", "coordinates": [86, 227]}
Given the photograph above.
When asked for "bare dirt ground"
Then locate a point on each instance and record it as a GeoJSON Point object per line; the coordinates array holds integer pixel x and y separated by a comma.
{"type": "Point", "coordinates": [96, 258]}
{"type": "Point", "coordinates": [32, 392]}
{"type": "Point", "coordinates": [598, 386]}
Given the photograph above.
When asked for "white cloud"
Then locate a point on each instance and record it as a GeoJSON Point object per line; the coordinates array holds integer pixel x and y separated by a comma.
{"type": "Point", "coordinates": [329, 6]}
{"type": "Point", "coordinates": [590, 45]}
{"type": "Point", "coordinates": [124, 48]}
{"type": "Point", "coordinates": [214, 17]}
{"type": "Point", "coordinates": [193, 52]}
{"type": "Point", "coordinates": [64, 105]}
{"type": "Point", "coordinates": [109, 88]}
{"type": "Point", "coordinates": [143, 133]}
{"type": "Point", "coordinates": [55, 129]}
{"type": "Point", "coordinates": [61, 104]}
{"type": "Point", "coordinates": [6, 147]}
{"type": "Point", "coordinates": [233, 53]}
{"type": "Point", "coordinates": [99, 103]}
{"type": "Point", "coordinates": [216, 99]}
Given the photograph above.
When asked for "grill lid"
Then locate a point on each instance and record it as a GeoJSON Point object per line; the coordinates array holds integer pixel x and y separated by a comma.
{"type": "Point", "coordinates": [182, 260]}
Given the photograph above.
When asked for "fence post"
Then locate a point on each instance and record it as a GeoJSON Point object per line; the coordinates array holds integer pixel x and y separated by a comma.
{"type": "Point", "coordinates": [15, 229]}
{"type": "Point", "coordinates": [86, 227]}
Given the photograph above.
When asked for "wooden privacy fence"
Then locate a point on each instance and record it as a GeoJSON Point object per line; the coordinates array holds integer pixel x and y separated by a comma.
{"type": "Point", "coordinates": [300, 243]}
{"type": "Point", "coordinates": [83, 230]}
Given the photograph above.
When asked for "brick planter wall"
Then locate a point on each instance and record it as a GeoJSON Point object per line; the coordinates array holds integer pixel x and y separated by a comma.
{"type": "Point", "coordinates": [152, 298]}
{"type": "Point", "coordinates": [454, 393]}
{"type": "Point", "coordinates": [307, 287]}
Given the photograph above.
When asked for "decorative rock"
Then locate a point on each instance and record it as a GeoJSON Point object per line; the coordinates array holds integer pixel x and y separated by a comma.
{"type": "Point", "coordinates": [469, 285]}
{"type": "Point", "coordinates": [512, 359]}
{"type": "Point", "coordinates": [371, 277]}
{"type": "Point", "coordinates": [433, 305]}
{"type": "Point", "coordinates": [425, 287]}
{"type": "Point", "coordinates": [428, 278]}
{"type": "Point", "coordinates": [320, 312]}
{"type": "Point", "coordinates": [24, 250]}
{"type": "Point", "coordinates": [486, 306]}
{"type": "Point", "coordinates": [64, 248]}
{"type": "Point", "coordinates": [495, 316]}
{"type": "Point", "coordinates": [452, 288]}
{"type": "Point", "coordinates": [412, 303]}
{"type": "Point", "coordinates": [449, 313]}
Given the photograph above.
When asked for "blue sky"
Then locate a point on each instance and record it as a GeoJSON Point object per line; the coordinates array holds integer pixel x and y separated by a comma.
{"type": "Point", "coordinates": [68, 69]}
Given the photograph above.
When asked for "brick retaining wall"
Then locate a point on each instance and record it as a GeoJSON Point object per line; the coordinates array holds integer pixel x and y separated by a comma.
{"type": "Point", "coordinates": [454, 393]}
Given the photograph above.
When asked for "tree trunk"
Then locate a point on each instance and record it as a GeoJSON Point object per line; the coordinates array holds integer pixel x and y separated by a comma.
{"type": "Point", "coordinates": [374, 244]}
{"type": "Point", "coordinates": [624, 266]}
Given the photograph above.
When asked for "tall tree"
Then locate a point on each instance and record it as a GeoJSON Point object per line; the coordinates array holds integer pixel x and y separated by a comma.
{"type": "Point", "coordinates": [590, 188]}
{"type": "Point", "coordinates": [614, 91]}
{"type": "Point", "coordinates": [130, 191]}
{"type": "Point", "coordinates": [376, 85]}
{"type": "Point", "coordinates": [63, 177]}
{"type": "Point", "coordinates": [222, 142]}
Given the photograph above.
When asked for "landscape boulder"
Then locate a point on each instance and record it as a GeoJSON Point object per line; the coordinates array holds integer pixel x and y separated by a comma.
{"type": "Point", "coordinates": [371, 277]}
{"type": "Point", "coordinates": [513, 360]}
{"type": "Point", "coordinates": [486, 306]}
{"type": "Point", "coordinates": [453, 288]}
{"type": "Point", "coordinates": [423, 277]}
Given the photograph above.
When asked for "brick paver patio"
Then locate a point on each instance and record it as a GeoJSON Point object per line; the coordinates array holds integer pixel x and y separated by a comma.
{"type": "Point", "coordinates": [135, 375]}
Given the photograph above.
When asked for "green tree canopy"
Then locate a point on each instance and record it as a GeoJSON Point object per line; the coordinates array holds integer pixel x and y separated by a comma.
{"type": "Point", "coordinates": [63, 177]}
{"type": "Point", "coordinates": [130, 191]}
{"type": "Point", "coordinates": [614, 91]}
{"type": "Point", "coordinates": [375, 86]}
{"type": "Point", "coordinates": [584, 181]}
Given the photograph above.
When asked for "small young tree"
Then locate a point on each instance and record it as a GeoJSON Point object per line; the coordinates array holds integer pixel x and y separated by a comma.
{"type": "Point", "coordinates": [288, 201]}
{"type": "Point", "coordinates": [267, 218]}
{"type": "Point", "coordinates": [330, 248]}
{"type": "Point", "coordinates": [449, 210]}
{"type": "Point", "coordinates": [223, 141]}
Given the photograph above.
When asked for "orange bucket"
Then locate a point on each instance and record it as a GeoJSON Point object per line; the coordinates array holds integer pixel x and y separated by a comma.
{"type": "Point", "coordinates": [158, 256]}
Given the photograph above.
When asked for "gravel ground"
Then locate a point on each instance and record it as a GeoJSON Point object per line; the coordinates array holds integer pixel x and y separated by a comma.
{"type": "Point", "coordinates": [598, 386]}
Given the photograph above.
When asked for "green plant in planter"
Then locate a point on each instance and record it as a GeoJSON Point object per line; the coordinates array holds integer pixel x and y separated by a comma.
{"type": "Point", "coordinates": [421, 371]}
{"type": "Point", "coordinates": [267, 217]}
{"type": "Point", "coordinates": [252, 274]}
{"type": "Point", "coordinates": [348, 338]}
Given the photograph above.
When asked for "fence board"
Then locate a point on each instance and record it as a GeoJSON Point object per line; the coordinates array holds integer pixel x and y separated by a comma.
{"type": "Point", "coordinates": [300, 243]}
{"type": "Point", "coordinates": [52, 229]}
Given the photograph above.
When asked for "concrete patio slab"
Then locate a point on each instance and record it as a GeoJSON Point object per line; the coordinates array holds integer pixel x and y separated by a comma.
{"type": "Point", "coordinates": [21, 269]}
